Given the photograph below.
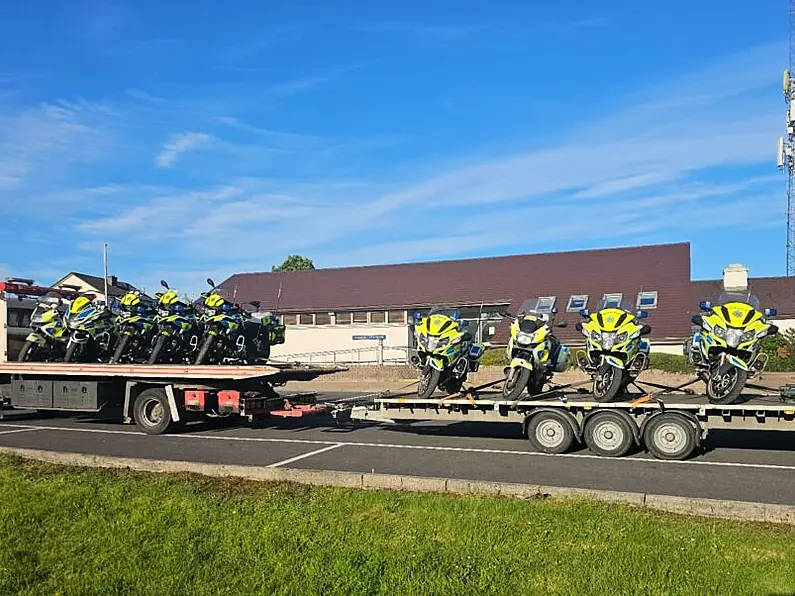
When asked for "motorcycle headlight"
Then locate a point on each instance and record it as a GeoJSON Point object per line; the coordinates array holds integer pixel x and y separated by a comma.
{"type": "Point", "coordinates": [719, 332]}
{"type": "Point", "coordinates": [621, 338]}
{"type": "Point", "coordinates": [596, 337]}
{"type": "Point", "coordinates": [524, 339]}
{"type": "Point", "coordinates": [163, 312]}
{"type": "Point", "coordinates": [733, 337]}
{"type": "Point", "coordinates": [608, 340]}
{"type": "Point", "coordinates": [747, 336]}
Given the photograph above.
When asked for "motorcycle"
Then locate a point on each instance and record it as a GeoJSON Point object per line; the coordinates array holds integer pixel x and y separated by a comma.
{"type": "Point", "coordinates": [445, 352]}
{"type": "Point", "coordinates": [134, 329]}
{"type": "Point", "coordinates": [616, 349]}
{"type": "Point", "coordinates": [534, 352]}
{"type": "Point", "coordinates": [178, 329]}
{"type": "Point", "coordinates": [726, 345]}
{"type": "Point", "coordinates": [91, 331]}
{"type": "Point", "coordinates": [48, 337]}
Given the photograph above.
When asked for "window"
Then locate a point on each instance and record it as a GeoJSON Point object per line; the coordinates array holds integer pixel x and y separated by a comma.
{"type": "Point", "coordinates": [289, 319]}
{"type": "Point", "coordinates": [306, 319]}
{"type": "Point", "coordinates": [396, 316]}
{"type": "Point", "coordinates": [378, 316]}
{"type": "Point", "coordinates": [613, 300]}
{"type": "Point", "coordinates": [647, 300]}
{"type": "Point", "coordinates": [546, 303]}
{"type": "Point", "coordinates": [13, 317]}
{"type": "Point", "coordinates": [322, 318]}
{"type": "Point", "coordinates": [342, 318]}
{"type": "Point", "coordinates": [360, 317]}
{"type": "Point", "coordinates": [577, 302]}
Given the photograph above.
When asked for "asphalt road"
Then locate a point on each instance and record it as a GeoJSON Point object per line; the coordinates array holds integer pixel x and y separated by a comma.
{"type": "Point", "coordinates": [739, 465]}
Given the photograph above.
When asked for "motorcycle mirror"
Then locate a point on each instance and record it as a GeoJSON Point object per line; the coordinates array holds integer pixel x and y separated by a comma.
{"type": "Point", "coordinates": [417, 316]}
{"type": "Point", "coordinates": [211, 282]}
{"type": "Point", "coordinates": [255, 303]}
{"type": "Point", "coordinates": [578, 326]}
{"type": "Point", "coordinates": [584, 312]}
{"type": "Point", "coordinates": [770, 312]}
{"type": "Point", "coordinates": [562, 324]}
{"type": "Point", "coordinates": [696, 320]}
{"type": "Point", "coordinates": [642, 314]}
{"type": "Point", "coordinates": [705, 305]}
{"type": "Point", "coordinates": [164, 284]}
{"type": "Point", "coordinates": [463, 323]}
{"type": "Point", "coordinates": [554, 311]}
{"type": "Point", "coordinates": [645, 330]}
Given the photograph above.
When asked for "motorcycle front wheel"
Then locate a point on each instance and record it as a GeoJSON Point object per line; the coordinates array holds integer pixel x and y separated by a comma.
{"type": "Point", "coordinates": [515, 381]}
{"type": "Point", "coordinates": [725, 388]}
{"type": "Point", "coordinates": [428, 382]}
{"type": "Point", "coordinates": [204, 351]}
{"type": "Point", "coordinates": [28, 352]}
{"type": "Point", "coordinates": [608, 383]}
{"type": "Point", "coordinates": [120, 349]}
{"type": "Point", "coordinates": [157, 349]}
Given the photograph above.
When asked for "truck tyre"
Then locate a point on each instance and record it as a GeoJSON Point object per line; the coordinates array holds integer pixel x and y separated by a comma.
{"type": "Point", "coordinates": [550, 432]}
{"type": "Point", "coordinates": [151, 411]}
{"type": "Point", "coordinates": [608, 383]}
{"type": "Point", "coordinates": [428, 382]}
{"type": "Point", "coordinates": [608, 434]}
{"type": "Point", "coordinates": [157, 349]}
{"type": "Point", "coordinates": [515, 382]}
{"type": "Point", "coordinates": [726, 388]}
{"type": "Point", "coordinates": [670, 436]}
{"type": "Point", "coordinates": [120, 349]}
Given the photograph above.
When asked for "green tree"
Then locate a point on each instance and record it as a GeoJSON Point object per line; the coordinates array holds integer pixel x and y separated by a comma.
{"type": "Point", "coordinates": [294, 263]}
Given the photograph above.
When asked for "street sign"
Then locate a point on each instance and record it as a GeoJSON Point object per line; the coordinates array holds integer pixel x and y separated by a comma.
{"type": "Point", "coordinates": [366, 337]}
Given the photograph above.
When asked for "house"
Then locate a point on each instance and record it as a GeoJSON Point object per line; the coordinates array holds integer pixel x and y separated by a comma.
{"type": "Point", "coordinates": [346, 309]}
{"type": "Point", "coordinates": [95, 285]}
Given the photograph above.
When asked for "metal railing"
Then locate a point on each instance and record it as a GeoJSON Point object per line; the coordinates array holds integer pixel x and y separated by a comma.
{"type": "Point", "coordinates": [372, 355]}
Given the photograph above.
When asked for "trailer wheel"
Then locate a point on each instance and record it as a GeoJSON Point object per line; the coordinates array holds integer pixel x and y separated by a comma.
{"type": "Point", "coordinates": [608, 434]}
{"type": "Point", "coordinates": [151, 412]}
{"type": "Point", "coordinates": [550, 432]}
{"type": "Point", "coordinates": [670, 436]}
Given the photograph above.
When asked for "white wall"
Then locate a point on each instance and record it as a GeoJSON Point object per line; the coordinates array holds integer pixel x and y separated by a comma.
{"type": "Point", "coordinates": [301, 340]}
{"type": "Point", "coordinates": [73, 280]}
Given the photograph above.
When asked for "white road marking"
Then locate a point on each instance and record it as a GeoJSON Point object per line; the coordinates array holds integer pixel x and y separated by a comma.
{"type": "Point", "coordinates": [196, 436]}
{"type": "Point", "coordinates": [304, 456]}
{"type": "Point", "coordinates": [19, 430]}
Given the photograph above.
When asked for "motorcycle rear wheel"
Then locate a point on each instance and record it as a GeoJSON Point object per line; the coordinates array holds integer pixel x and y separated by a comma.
{"type": "Point", "coordinates": [725, 389]}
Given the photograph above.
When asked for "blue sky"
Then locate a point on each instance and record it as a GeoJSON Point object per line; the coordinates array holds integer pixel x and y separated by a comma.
{"type": "Point", "coordinates": [200, 140]}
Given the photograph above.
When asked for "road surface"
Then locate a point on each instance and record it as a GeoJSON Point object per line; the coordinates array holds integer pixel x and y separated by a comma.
{"type": "Point", "coordinates": [738, 465]}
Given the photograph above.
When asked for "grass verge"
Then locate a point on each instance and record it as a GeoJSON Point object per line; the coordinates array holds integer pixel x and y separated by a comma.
{"type": "Point", "coordinates": [72, 531]}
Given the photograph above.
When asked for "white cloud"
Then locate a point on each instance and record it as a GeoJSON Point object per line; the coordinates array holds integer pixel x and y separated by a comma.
{"type": "Point", "coordinates": [180, 143]}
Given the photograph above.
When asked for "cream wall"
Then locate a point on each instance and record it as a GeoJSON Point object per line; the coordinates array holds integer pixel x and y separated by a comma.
{"type": "Point", "coordinates": [301, 340]}
{"type": "Point", "coordinates": [73, 280]}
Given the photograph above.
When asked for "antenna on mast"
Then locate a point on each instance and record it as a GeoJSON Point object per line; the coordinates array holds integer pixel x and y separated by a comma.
{"type": "Point", "coordinates": [787, 143]}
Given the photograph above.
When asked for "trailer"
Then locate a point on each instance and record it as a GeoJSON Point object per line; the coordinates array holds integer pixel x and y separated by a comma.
{"type": "Point", "coordinates": [671, 426]}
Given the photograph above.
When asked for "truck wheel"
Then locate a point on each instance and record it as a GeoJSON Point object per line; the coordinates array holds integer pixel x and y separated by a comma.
{"type": "Point", "coordinates": [151, 412]}
{"type": "Point", "coordinates": [550, 432]}
{"type": "Point", "coordinates": [608, 434]}
{"type": "Point", "coordinates": [516, 380]}
{"type": "Point", "coordinates": [670, 436]}
{"type": "Point", "coordinates": [726, 388]}
{"type": "Point", "coordinates": [428, 382]}
{"type": "Point", "coordinates": [120, 349]}
{"type": "Point", "coordinates": [608, 383]}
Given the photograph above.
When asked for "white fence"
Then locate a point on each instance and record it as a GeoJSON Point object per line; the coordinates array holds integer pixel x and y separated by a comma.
{"type": "Point", "coordinates": [372, 355]}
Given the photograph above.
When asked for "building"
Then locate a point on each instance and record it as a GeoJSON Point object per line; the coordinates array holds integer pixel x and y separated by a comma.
{"type": "Point", "coordinates": [95, 285]}
{"type": "Point", "coordinates": [345, 310]}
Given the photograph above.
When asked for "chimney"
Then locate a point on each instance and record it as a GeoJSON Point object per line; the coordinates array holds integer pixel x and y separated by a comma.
{"type": "Point", "coordinates": [113, 280]}
{"type": "Point", "coordinates": [735, 278]}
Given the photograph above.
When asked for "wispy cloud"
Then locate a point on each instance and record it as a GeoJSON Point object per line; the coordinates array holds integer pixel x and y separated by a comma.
{"type": "Point", "coordinates": [180, 143]}
{"type": "Point", "coordinates": [432, 31]}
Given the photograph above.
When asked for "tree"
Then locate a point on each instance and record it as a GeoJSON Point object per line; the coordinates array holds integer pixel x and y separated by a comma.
{"type": "Point", "coordinates": [294, 263]}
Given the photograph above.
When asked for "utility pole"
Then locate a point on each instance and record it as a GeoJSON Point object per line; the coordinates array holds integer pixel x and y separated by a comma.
{"type": "Point", "coordinates": [105, 268]}
{"type": "Point", "coordinates": [786, 144]}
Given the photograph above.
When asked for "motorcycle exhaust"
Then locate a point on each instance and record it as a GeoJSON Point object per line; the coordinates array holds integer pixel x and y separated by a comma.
{"type": "Point", "coordinates": [460, 367]}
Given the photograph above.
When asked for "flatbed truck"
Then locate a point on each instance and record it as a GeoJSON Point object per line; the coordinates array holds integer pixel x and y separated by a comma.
{"type": "Point", "coordinates": [670, 426]}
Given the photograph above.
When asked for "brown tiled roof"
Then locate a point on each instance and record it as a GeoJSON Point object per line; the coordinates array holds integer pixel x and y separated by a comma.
{"type": "Point", "coordinates": [773, 292]}
{"type": "Point", "coordinates": [494, 280]}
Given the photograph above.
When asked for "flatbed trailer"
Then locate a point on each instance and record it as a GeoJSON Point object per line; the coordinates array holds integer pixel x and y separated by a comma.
{"type": "Point", "coordinates": [159, 397]}
{"type": "Point", "coordinates": [671, 427]}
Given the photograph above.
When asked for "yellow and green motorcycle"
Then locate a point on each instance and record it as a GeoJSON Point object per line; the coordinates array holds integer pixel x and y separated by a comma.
{"type": "Point", "coordinates": [222, 340]}
{"type": "Point", "coordinates": [726, 346]}
{"type": "Point", "coordinates": [534, 352]}
{"type": "Point", "coordinates": [178, 329]}
{"type": "Point", "coordinates": [616, 349]}
{"type": "Point", "coordinates": [49, 335]}
{"type": "Point", "coordinates": [446, 353]}
{"type": "Point", "coordinates": [91, 331]}
{"type": "Point", "coordinates": [135, 329]}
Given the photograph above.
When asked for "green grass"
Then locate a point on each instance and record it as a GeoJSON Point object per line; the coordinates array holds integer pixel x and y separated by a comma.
{"type": "Point", "coordinates": [69, 531]}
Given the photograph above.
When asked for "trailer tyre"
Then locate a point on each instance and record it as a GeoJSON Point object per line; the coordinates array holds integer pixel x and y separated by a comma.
{"type": "Point", "coordinates": [550, 432]}
{"type": "Point", "coordinates": [608, 434]}
{"type": "Point", "coordinates": [151, 411]}
{"type": "Point", "coordinates": [670, 436]}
